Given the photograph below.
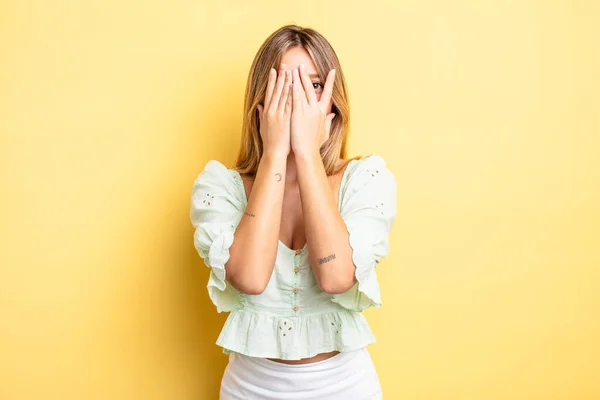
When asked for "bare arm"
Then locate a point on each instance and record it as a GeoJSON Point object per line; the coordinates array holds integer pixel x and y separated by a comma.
{"type": "Point", "coordinates": [326, 234]}
{"type": "Point", "coordinates": [254, 248]}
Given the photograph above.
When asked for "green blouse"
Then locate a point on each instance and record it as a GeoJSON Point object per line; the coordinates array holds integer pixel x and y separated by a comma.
{"type": "Point", "coordinates": [293, 318]}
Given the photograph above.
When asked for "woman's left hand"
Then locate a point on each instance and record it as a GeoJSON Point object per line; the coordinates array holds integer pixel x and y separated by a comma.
{"type": "Point", "coordinates": [310, 122]}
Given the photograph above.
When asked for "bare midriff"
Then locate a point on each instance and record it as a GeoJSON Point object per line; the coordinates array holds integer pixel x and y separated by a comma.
{"type": "Point", "coordinates": [318, 357]}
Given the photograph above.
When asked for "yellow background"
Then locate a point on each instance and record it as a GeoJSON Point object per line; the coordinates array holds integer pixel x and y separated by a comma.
{"type": "Point", "coordinates": [487, 112]}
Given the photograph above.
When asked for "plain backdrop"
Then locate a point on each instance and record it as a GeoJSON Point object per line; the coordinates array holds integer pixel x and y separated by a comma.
{"type": "Point", "coordinates": [486, 112]}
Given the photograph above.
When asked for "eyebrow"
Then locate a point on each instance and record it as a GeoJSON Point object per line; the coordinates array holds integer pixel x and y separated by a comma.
{"type": "Point", "coordinates": [314, 76]}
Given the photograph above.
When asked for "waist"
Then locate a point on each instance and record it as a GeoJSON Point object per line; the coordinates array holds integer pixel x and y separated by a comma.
{"type": "Point", "coordinates": [310, 360]}
{"type": "Point", "coordinates": [339, 359]}
{"type": "Point", "coordinates": [298, 308]}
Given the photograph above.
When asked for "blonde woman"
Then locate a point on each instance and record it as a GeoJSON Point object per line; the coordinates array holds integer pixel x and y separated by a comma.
{"type": "Point", "coordinates": [294, 231]}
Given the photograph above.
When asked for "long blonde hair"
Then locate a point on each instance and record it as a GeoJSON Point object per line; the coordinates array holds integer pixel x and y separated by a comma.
{"type": "Point", "coordinates": [269, 56]}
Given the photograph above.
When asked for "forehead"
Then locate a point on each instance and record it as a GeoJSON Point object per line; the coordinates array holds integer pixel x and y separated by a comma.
{"type": "Point", "coordinates": [295, 56]}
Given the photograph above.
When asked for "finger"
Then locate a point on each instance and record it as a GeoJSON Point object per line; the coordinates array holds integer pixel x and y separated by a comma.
{"type": "Point", "coordinates": [286, 92]}
{"type": "Point", "coordinates": [328, 89]}
{"type": "Point", "coordinates": [307, 83]}
{"type": "Point", "coordinates": [328, 120]}
{"type": "Point", "coordinates": [299, 97]}
{"type": "Point", "coordinates": [278, 88]}
{"type": "Point", "coordinates": [270, 86]}
{"type": "Point", "coordinates": [288, 103]}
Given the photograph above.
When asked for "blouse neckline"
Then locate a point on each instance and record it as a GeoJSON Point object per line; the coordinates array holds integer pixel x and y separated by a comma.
{"type": "Point", "coordinates": [281, 244]}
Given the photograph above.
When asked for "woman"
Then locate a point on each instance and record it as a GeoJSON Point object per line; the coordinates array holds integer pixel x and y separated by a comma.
{"type": "Point", "coordinates": [293, 233]}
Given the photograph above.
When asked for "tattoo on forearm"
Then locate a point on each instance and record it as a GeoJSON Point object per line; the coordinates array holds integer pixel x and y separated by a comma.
{"type": "Point", "coordinates": [278, 177]}
{"type": "Point", "coordinates": [326, 259]}
{"type": "Point", "coordinates": [249, 214]}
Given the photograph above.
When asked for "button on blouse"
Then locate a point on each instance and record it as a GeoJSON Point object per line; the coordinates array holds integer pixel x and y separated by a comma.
{"type": "Point", "coordinates": [293, 318]}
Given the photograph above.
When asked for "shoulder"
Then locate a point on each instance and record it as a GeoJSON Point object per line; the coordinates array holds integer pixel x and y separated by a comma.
{"type": "Point", "coordinates": [369, 191]}
{"type": "Point", "coordinates": [219, 179]}
{"type": "Point", "coordinates": [215, 171]}
{"type": "Point", "coordinates": [370, 160]}
{"type": "Point", "coordinates": [369, 170]}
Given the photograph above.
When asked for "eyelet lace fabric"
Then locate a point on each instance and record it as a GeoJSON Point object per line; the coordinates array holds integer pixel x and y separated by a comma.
{"type": "Point", "coordinates": [293, 318]}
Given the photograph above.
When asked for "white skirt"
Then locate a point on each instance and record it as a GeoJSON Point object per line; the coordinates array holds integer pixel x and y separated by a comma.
{"type": "Point", "coordinates": [345, 376]}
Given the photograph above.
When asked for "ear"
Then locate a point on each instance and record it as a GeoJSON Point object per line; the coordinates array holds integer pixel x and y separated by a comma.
{"type": "Point", "coordinates": [260, 110]}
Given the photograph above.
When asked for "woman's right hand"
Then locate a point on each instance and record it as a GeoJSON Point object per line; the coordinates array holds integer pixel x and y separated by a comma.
{"type": "Point", "coordinates": [275, 115]}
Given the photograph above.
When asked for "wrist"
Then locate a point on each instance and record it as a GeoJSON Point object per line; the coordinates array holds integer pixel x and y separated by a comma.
{"type": "Point", "coordinates": [275, 154]}
{"type": "Point", "coordinates": [308, 155]}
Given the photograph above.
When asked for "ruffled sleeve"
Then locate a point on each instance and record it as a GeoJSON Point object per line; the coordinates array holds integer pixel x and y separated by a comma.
{"type": "Point", "coordinates": [217, 206]}
{"type": "Point", "coordinates": [368, 207]}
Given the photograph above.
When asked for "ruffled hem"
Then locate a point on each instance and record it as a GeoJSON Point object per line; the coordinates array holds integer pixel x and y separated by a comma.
{"type": "Point", "coordinates": [292, 338]}
{"type": "Point", "coordinates": [365, 293]}
{"type": "Point", "coordinates": [224, 296]}
{"type": "Point", "coordinates": [225, 299]}
{"type": "Point", "coordinates": [367, 246]}
{"type": "Point", "coordinates": [213, 237]}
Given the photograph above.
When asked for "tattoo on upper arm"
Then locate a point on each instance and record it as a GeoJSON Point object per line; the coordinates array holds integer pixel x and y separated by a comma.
{"type": "Point", "coordinates": [278, 177]}
{"type": "Point", "coordinates": [249, 214]}
{"type": "Point", "coordinates": [326, 259]}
